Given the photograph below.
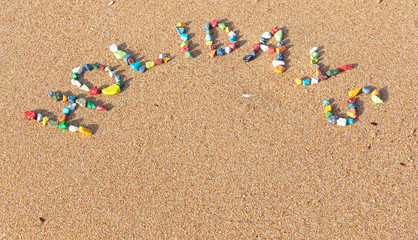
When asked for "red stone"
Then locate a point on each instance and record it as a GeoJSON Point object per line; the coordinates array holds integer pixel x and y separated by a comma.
{"type": "Point", "coordinates": [351, 100]}
{"type": "Point", "coordinates": [159, 61]}
{"type": "Point", "coordinates": [100, 108]}
{"type": "Point", "coordinates": [94, 91]}
{"type": "Point", "coordinates": [101, 67]}
{"type": "Point", "coordinates": [212, 47]}
{"type": "Point", "coordinates": [30, 115]}
{"type": "Point", "coordinates": [232, 45]}
{"type": "Point", "coordinates": [346, 67]}
{"type": "Point", "coordinates": [272, 50]}
{"type": "Point", "coordinates": [184, 49]}
{"type": "Point", "coordinates": [214, 23]}
{"type": "Point", "coordinates": [274, 30]}
{"type": "Point", "coordinates": [255, 47]}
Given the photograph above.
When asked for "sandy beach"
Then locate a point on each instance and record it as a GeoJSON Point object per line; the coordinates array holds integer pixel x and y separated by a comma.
{"type": "Point", "coordinates": [181, 154]}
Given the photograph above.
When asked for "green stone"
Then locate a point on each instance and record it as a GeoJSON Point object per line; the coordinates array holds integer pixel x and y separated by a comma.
{"type": "Point", "coordinates": [81, 101]}
{"type": "Point", "coordinates": [222, 25]}
{"type": "Point", "coordinates": [85, 88]}
{"type": "Point", "coordinates": [328, 114]}
{"type": "Point", "coordinates": [279, 35]}
{"type": "Point", "coordinates": [74, 76]}
{"type": "Point", "coordinates": [52, 123]}
{"type": "Point", "coordinates": [91, 105]}
{"type": "Point", "coordinates": [188, 54]}
{"type": "Point", "coordinates": [376, 99]}
{"type": "Point", "coordinates": [208, 31]}
{"type": "Point", "coordinates": [119, 54]}
{"type": "Point", "coordinates": [314, 55]}
{"type": "Point", "coordinates": [120, 83]}
{"type": "Point", "coordinates": [332, 72]}
{"type": "Point", "coordinates": [63, 125]}
{"type": "Point", "coordinates": [95, 66]}
{"type": "Point", "coordinates": [57, 96]}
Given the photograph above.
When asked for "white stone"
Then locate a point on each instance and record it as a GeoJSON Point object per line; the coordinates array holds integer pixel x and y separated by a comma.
{"type": "Point", "coordinates": [76, 83]}
{"type": "Point", "coordinates": [265, 48]}
{"type": "Point", "coordinates": [266, 35]}
{"type": "Point", "coordinates": [276, 63]}
{"type": "Point", "coordinates": [315, 80]}
{"type": "Point", "coordinates": [78, 70]}
{"type": "Point", "coordinates": [247, 95]}
{"type": "Point", "coordinates": [162, 56]}
{"type": "Point", "coordinates": [113, 47]}
{"type": "Point", "coordinates": [72, 106]}
{"type": "Point", "coordinates": [342, 121]}
{"type": "Point", "coordinates": [112, 73]}
{"type": "Point", "coordinates": [72, 128]}
{"type": "Point", "coordinates": [314, 49]}
{"type": "Point", "coordinates": [280, 62]}
{"type": "Point", "coordinates": [231, 33]}
{"type": "Point", "coordinates": [227, 50]}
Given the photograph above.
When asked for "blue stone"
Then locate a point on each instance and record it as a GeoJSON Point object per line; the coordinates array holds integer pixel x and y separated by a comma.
{"type": "Point", "coordinates": [247, 58]}
{"type": "Point", "coordinates": [71, 99]}
{"type": "Point", "coordinates": [351, 105]}
{"type": "Point", "coordinates": [280, 43]}
{"type": "Point", "coordinates": [207, 27]}
{"type": "Point", "coordinates": [142, 68]}
{"type": "Point", "coordinates": [333, 119]}
{"type": "Point", "coordinates": [326, 103]}
{"type": "Point", "coordinates": [233, 38]}
{"type": "Point", "coordinates": [366, 90]}
{"type": "Point", "coordinates": [126, 57]}
{"type": "Point", "coordinates": [252, 53]}
{"type": "Point", "coordinates": [220, 52]}
{"type": "Point", "coordinates": [39, 117]}
{"type": "Point", "coordinates": [135, 66]}
{"type": "Point", "coordinates": [279, 57]}
{"type": "Point", "coordinates": [117, 77]}
{"type": "Point", "coordinates": [184, 37]}
{"type": "Point", "coordinates": [262, 40]}
{"type": "Point", "coordinates": [350, 121]}
{"type": "Point", "coordinates": [180, 30]}
{"type": "Point", "coordinates": [208, 37]}
{"type": "Point", "coordinates": [306, 82]}
{"type": "Point", "coordinates": [87, 67]}
{"type": "Point", "coordinates": [66, 111]}
{"type": "Point", "coordinates": [51, 94]}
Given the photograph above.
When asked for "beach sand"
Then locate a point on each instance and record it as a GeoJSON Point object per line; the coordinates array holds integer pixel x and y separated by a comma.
{"type": "Point", "coordinates": [181, 154]}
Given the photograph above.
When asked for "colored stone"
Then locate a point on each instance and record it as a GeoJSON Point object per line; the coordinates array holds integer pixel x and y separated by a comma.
{"type": "Point", "coordinates": [95, 66]}
{"type": "Point", "coordinates": [255, 47]}
{"type": "Point", "coordinates": [314, 55]}
{"type": "Point", "coordinates": [326, 103]}
{"type": "Point", "coordinates": [184, 37]}
{"type": "Point", "coordinates": [232, 45]}
{"type": "Point", "coordinates": [279, 35]}
{"type": "Point", "coordinates": [136, 65]}
{"type": "Point", "coordinates": [333, 119]}
{"type": "Point", "coordinates": [227, 30]}
{"type": "Point", "coordinates": [328, 114]}
{"type": "Point", "coordinates": [212, 53]}
{"type": "Point", "coordinates": [85, 88]}
{"type": "Point", "coordinates": [150, 64]}
{"type": "Point", "coordinates": [77, 70]}
{"type": "Point", "coordinates": [113, 47]}
{"type": "Point", "coordinates": [306, 82]}
{"type": "Point", "coordinates": [101, 108]}
{"type": "Point", "coordinates": [332, 72]}
{"type": "Point", "coordinates": [166, 59]}
{"type": "Point", "coordinates": [323, 76]}
{"type": "Point", "coordinates": [180, 30]}
{"type": "Point", "coordinates": [64, 97]}
{"type": "Point", "coordinates": [315, 67]}
{"type": "Point", "coordinates": [120, 83]}
{"type": "Point", "coordinates": [317, 72]}
{"type": "Point", "coordinates": [375, 93]}
{"type": "Point", "coordinates": [183, 43]}
{"type": "Point", "coordinates": [207, 26]}
{"type": "Point", "coordinates": [72, 106]}
{"type": "Point", "coordinates": [66, 111]}
{"type": "Point", "coordinates": [85, 130]}
{"type": "Point", "coordinates": [50, 94]}
{"type": "Point", "coordinates": [266, 35]}
{"type": "Point", "coordinates": [63, 125]}
{"type": "Point", "coordinates": [74, 76]}
{"type": "Point", "coordinates": [188, 54]}
{"type": "Point", "coordinates": [81, 101]}
{"type": "Point", "coordinates": [298, 81]}
{"type": "Point", "coordinates": [222, 26]}
{"type": "Point", "coordinates": [313, 61]}
{"type": "Point", "coordinates": [352, 113]}
{"type": "Point", "coordinates": [212, 47]}
{"type": "Point", "coordinates": [315, 80]}
{"type": "Point", "coordinates": [126, 58]}
{"type": "Point", "coordinates": [328, 108]}
{"type": "Point", "coordinates": [119, 54]}
{"type": "Point", "coordinates": [208, 38]}
{"type": "Point", "coordinates": [72, 128]}
{"type": "Point", "coordinates": [279, 56]}
{"type": "Point", "coordinates": [107, 69]}
{"type": "Point", "coordinates": [227, 50]}
{"type": "Point", "coordinates": [351, 105]}
{"type": "Point", "coordinates": [208, 31]}
{"type": "Point", "coordinates": [220, 51]}
{"type": "Point", "coordinates": [314, 49]}
{"type": "Point", "coordinates": [45, 120]}
{"type": "Point", "coordinates": [279, 69]}
{"type": "Point", "coordinates": [112, 90]}
{"type": "Point", "coordinates": [158, 61]}
{"type": "Point", "coordinates": [91, 105]}
{"type": "Point", "coordinates": [342, 122]}
{"type": "Point", "coordinates": [214, 23]}
{"type": "Point", "coordinates": [142, 69]}
{"type": "Point", "coordinates": [57, 96]}
{"type": "Point", "coordinates": [94, 91]}
{"type": "Point", "coordinates": [352, 100]}
{"type": "Point", "coordinates": [208, 43]}
{"type": "Point", "coordinates": [231, 33]}
{"type": "Point", "coordinates": [87, 67]}
{"type": "Point", "coordinates": [180, 24]}
{"type": "Point", "coordinates": [39, 117]}
{"type": "Point", "coordinates": [233, 38]}
{"type": "Point", "coordinates": [101, 67]}
{"type": "Point", "coordinates": [184, 49]}
{"type": "Point", "coordinates": [376, 99]}
{"type": "Point", "coordinates": [62, 118]}
{"type": "Point", "coordinates": [71, 99]}
{"type": "Point", "coordinates": [273, 31]}
{"type": "Point", "coordinates": [52, 123]}
{"type": "Point", "coordinates": [281, 49]}
{"type": "Point", "coordinates": [346, 67]}
{"type": "Point", "coordinates": [76, 83]}
{"type": "Point", "coordinates": [30, 115]}
{"type": "Point", "coordinates": [112, 73]}
{"type": "Point", "coordinates": [354, 92]}
{"type": "Point", "coordinates": [247, 58]}
{"type": "Point", "coordinates": [350, 121]}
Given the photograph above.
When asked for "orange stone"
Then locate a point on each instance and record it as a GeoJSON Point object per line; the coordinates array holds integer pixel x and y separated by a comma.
{"type": "Point", "coordinates": [212, 53]}
{"type": "Point", "coordinates": [317, 72]}
{"type": "Point", "coordinates": [279, 69]}
{"type": "Point", "coordinates": [64, 98]}
{"type": "Point", "coordinates": [61, 118]}
{"type": "Point", "coordinates": [376, 92]}
{"type": "Point", "coordinates": [281, 49]}
{"type": "Point", "coordinates": [352, 113]}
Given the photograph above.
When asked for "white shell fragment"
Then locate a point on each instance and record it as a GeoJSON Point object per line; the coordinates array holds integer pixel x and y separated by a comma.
{"type": "Point", "coordinates": [314, 49]}
{"type": "Point", "coordinates": [247, 95]}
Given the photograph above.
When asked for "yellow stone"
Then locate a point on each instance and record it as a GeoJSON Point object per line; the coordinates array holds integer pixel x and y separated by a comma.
{"type": "Point", "coordinates": [185, 43]}
{"type": "Point", "coordinates": [298, 81]}
{"type": "Point", "coordinates": [227, 30]}
{"type": "Point", "coordinates": [45, 120]}
{"type": "Point", "coordinates": [85, 131]}
{"type": "Point", "coordinates": [354, 92]}
{"type": "Point", "coordinates": [208, 43]}
{"type": "Point", "coordinates": [150, 64]}
{"type": "Point", "coordinates": [327, 108]}
{"type": "Point", "coordinates": [180, 24]}
{"type": "Point", "coordinates": [166, 59]}
{"type": "Point", "coordinates": [375, 93]}
{"type": "Point", "coordinates": [112, 90]}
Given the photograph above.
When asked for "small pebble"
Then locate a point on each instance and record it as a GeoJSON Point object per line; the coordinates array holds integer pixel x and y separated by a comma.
{"type": "Point", "coordinates": [63, 125]}
{"type": "Point", "coordinates": [101, 108]}
{"type": "Point", "coordinates": [85, 88]}
{"type": "Point", "coordinates": [45, 120]}
{"type": "Point", "coordinates": [220, 52]}
{"type": "Point", "coordinates": [113, 48]}
{"type": "Point", "coordinates": [314, 55]}
{"type": "Point", "coordinates": [91, 105]}
{"type": "Point", "coordinates": [247, 95]}
{"type": "Point", "coordinates": [306, 82]}
{"type": "Point", "coordinates": [266, 35]}
{"type": "Point", "coordinates": [247, 58]}
{"type": "Point", "coordinates": [376, 99]}
{"type": "Point", "coordinates": [52, 123]}
{"type": "Point", "coordinates": [314, 49]}
{"type": "Point", "coordinates": [94, 91]}
{"type": "Point", "coordinates": [231, 33]}
{"type": "Point", "coordinates": [315, 80]}
{"type": "Point", "coordinates": [87, 67]}
{"type": "Point", "coordinates": [232, 45]}
{"type": "Point", "coordinates": [71, 99]}
{"type": "Point", "coordinates": [342, 122]}
{"type": "Point", "coordinates": [351, 105]}
{"type": "Point", "coordinates": [333, 119]}
{"type": "Point", "coordinates": [150, 64]}
{"type": "Point", "coordinates": [354, 92]}
{"type": "Point", "coordinates": [78, 70]}
{"type": "Point", "coordinates": [110, 3]}
{"type": "Point", "coordinates": [136, 65]}
{"type": "Point", "coordinates": [326, 103]}
{"type": "Point", "coordinates": [66, 111]}
{"type": "Point", "coordinates": [84, 130]}
{"type": "Point", "coordinates": [112, 90]}
{"type": "Point", "coordinates": [332, 72]}
{"type": "Point", "coordinates": [72, 128]}
{"type": "Point", "coordinates": [298, 81]}
{"type": "Point", "coordinates": [76, 83]}
{"type": "Point", "coordinates": [279, 56]}
{"type": "Point", "coordinates": [39, 117]}
{"type": "Point", "coordinates": [112, 74]}
{"type": "Point", "coordinates": [352, 113]}
{"type": "Point", "coordinates": [352, 100]}
{"type": "Point", "coordinates": [72, 106]}
{"type": "Point", "coordinates": [81, 101]}
{"type": "Point", "coordinates": [264, 48]}
{"type": "Point", "coordinates": [30, 115]}
{"type": "Point", "coordinates": [227, 50]}
{"type": "Point", "coordinates": [350, 121]}
{"type": "Point", "coordinates": [222, 26]}
{"type": "Point", "coordinates": [366, 90]}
